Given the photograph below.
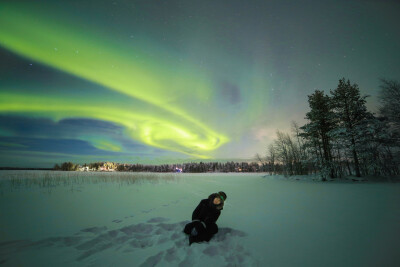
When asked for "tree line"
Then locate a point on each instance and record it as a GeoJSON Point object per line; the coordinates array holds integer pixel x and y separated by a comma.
{"type": "Point", "coordinates": [199, 167]}
{"type": "Point", "coordinates": [66, 166]}
{"type": "Point", "coordinates": [192, 167]}
{"type": "Point", "coordinates": [341, 137]}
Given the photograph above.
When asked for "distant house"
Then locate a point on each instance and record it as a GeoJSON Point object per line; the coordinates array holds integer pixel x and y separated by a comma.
{"type": "Point", "coordinates": [108, 166]}
{"type": "Point", "coordinates": [178, 169]}
{"type": "Point", "coordinates": [238, 169]}
{"type": "Point", "coordinates": [84, 169]}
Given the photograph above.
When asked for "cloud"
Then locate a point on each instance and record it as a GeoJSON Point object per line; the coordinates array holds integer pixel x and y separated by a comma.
{"type": "Point", "coordinates": [263, 134]}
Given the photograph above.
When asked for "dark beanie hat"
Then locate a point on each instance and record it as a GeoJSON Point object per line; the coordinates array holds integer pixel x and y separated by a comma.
{"type": "Point", "coordinates": [223, 195]}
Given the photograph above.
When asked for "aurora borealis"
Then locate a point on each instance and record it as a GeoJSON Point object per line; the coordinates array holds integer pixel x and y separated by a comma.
{"type": "Point", "coordinates": [167, 81]}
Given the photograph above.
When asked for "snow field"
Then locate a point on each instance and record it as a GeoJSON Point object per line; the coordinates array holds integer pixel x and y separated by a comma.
{"type": "Point", "coordinates": [265, 222]}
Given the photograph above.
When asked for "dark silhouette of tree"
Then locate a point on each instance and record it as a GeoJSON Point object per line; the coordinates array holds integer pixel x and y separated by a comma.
{"type": "Point", "coordinates": [342, 136]}
{"type": "Point", "coordinates": [317, 131]}
{"type": "Point", "coordinates": [69, 166]}
{"type": "Point", "coordinates": [390, 102]}
{"type": "Point", "coordinates": [351, 115]}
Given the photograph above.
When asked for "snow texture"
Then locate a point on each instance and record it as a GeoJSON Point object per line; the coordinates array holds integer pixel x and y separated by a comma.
{"type": "Point", "coordinates": [140, 237]}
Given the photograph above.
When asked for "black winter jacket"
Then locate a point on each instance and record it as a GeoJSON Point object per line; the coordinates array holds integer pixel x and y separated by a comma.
{"type": "Point", "coordinates": [206, 211]}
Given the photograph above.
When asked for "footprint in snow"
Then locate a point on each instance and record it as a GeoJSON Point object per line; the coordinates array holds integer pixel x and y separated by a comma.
{"type": "Point", "coordinates": [147, 211]}
{"type": "Point", "coordinates": [166, 244]}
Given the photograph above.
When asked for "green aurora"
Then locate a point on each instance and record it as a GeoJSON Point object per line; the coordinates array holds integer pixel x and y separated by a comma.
{"type": "Point", "coordinates": [163, 125]}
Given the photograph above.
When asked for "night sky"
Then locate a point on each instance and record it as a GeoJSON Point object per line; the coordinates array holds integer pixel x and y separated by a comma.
{"type": "Point", "coordinates": [175, 81]}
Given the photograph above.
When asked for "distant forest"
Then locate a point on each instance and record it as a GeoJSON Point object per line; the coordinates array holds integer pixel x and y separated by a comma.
{"type": "Point", "coordinates": [341, 136]}
{"type": "Point", "coordinates": [192, 167]}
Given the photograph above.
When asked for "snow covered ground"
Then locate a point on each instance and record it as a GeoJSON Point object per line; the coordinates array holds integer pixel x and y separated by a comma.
{"type": "Point", "coordinates": [266, 221]}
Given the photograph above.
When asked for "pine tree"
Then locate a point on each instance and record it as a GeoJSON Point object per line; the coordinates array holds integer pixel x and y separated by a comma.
{"type": "Point", "coordinates": [317, 131]}
{"type": "Point", "coordinates": [351, 114]}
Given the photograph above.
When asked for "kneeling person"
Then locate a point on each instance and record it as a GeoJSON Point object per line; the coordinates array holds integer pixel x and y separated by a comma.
{"type": "Point", "coordinates": [204, 217]}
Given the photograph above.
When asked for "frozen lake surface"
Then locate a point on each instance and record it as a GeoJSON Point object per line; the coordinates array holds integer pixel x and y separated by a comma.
{"type": "Point", "coordinates": [116, 219]}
